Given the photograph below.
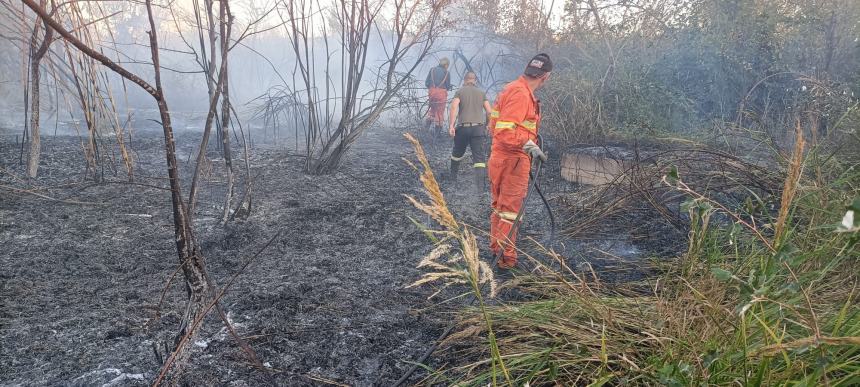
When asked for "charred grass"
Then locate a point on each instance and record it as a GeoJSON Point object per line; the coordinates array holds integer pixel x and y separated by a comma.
{"type": "Point", "coordinates": [324, 303]}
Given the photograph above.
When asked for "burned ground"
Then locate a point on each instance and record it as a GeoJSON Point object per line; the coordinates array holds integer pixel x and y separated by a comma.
{"type": "Point", "coordinates": [326, 302]}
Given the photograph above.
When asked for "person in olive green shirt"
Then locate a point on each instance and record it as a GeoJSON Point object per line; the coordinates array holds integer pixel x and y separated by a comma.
{"type": "Point", "coordinates": [470, 111]}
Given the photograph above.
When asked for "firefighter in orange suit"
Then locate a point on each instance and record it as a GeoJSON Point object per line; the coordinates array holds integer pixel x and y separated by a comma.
{"type": "Point", "coordinates": [438, 83]}
{"type": "Point", "coordinates": [514, 123]}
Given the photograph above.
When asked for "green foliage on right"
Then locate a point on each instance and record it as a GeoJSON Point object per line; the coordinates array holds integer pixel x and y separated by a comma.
{"type": "Point", "coordinates": [731, 311]}
{"type": "Point", "coordinates": [743, 305]}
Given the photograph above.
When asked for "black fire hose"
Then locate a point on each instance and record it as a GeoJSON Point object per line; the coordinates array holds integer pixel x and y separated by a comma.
{"type": "Point", "coordinates": [536, 183]}
{"type": "Point", "coordinates": [535, 178]}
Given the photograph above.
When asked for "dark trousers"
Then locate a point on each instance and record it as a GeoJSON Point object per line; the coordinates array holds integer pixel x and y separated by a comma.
{"type": "Point", "coordinates": [472, 137]}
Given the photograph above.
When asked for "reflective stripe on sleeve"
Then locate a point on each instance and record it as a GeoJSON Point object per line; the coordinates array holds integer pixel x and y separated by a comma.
{"type": "Point", "coordinates": [507, 215]}
{"type": "Point", "coordinates": [494, 113]}
{"type": "Point", "coordinates": [530, 125]}
{"type": "Point", "coordinates": [479, 165]}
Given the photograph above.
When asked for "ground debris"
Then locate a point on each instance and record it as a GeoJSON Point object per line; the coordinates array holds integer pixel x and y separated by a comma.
{"type": "Point", "coordinates": [326, 299]}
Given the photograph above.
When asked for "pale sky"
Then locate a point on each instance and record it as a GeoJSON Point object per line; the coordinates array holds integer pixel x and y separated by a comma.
{"type": "Point", "coordinates": [247, 10]}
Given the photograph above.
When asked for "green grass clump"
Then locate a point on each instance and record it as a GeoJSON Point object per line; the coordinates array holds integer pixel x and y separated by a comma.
{"type": "Point", "coordinates": [770, 301]}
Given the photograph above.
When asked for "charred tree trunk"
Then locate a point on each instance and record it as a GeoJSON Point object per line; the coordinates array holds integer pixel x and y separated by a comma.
{"type": "Point", "coordinates": [36, 55]}
{"type": "Point", "coordinates": [190, 257]}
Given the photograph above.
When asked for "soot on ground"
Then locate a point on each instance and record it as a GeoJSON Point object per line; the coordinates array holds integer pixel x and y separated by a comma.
{"type": "Point", "coordinates": [326, 302]}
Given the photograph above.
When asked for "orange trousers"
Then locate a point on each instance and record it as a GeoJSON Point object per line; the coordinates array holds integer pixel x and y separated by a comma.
{"type": "Point", "coordinates": [438, 99]}
{"type": "Point", "coordinates": [509, 181]}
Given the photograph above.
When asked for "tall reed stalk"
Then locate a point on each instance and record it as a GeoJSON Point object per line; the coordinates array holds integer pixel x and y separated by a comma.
{"type": "Point", "coordinates": [463, 265]}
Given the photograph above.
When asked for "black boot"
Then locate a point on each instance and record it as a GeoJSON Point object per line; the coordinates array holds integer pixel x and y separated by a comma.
{"type": "Point", "coordinates": [452, 172]}
{"type": "Point", "coordinates": [480, 180]}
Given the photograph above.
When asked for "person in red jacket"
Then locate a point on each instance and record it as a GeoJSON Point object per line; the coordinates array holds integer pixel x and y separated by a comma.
{"type": "Point", "coordinates": [515, 121]}
{"type": "Point", "coordinates": [438, 83]}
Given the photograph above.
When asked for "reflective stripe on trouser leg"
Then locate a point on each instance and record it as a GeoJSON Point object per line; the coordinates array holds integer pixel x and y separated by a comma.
{"type": "Point", "coordinates": [509, 177]}
{"type": "Point", "coordinates": [479, 164]}
{"type": "Point", "coordinates": [505, 239]}
{"type": "Point", "coordinates": [480, 176]}
{"type": "Point", "coordinates": [459, 151]}
{"type": "Point", "coordinates": [492, 170]}
{"type": "Point", "coordinates": [477, 142]}
{"type": "Point", "coordinates": [494, 225]}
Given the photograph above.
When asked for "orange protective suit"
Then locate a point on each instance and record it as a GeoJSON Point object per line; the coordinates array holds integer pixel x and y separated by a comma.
{"type": "Point", "coordinates": [514, 119]}
{"type": "Point", "coordinates": [438, 100]}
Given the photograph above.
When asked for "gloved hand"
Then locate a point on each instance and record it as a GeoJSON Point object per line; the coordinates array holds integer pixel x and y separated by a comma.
{"type": "Point", "coordinates": [534, 151]}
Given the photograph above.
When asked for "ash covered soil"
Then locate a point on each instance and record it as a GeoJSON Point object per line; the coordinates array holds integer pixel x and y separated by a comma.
{"type": "Point", "coordinates": [326, 303]}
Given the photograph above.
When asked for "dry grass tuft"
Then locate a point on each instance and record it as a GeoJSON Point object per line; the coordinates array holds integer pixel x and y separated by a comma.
{"type": "Point", "coordinates": [437, 208]}
{"type": "Point", "coordinates": [789, 189]}
{"type": "Point", "coordinates": [463, 265]}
